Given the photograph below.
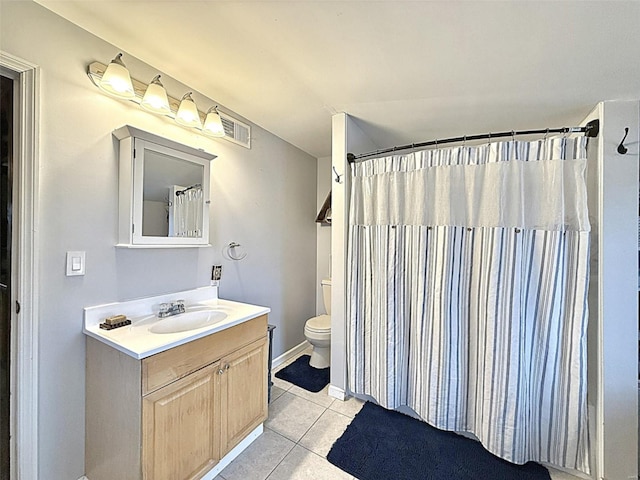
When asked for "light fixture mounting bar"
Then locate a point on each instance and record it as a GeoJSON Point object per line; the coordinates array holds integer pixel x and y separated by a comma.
{"type": "Point", "coordinates": [95, 71]}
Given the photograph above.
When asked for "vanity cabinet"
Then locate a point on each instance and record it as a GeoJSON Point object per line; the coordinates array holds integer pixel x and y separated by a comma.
{"type": "Point", "coordinates": [173, 415]}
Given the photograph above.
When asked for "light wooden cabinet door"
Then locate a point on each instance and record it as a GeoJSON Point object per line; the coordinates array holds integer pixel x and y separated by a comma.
{"type": "Point", "coordinates": [179, 424]}
{"type": "Point", "coordinates": [243, 392]}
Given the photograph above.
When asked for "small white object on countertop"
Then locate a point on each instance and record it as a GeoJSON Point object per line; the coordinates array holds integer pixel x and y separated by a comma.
{"type": "Point", "coordinates": [137, 341]}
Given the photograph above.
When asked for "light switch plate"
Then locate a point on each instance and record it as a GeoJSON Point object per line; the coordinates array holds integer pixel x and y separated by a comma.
{"type": "Point", "coordinates": [75, 263]}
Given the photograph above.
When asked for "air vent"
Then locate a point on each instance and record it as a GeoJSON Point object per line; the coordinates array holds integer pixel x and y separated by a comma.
{"type": "Point", "coordinates": [236, 131]}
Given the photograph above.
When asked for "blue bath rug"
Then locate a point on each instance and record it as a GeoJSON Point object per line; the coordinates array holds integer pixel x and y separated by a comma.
{"type": "Point", "coordinates": [302, 374]}
{"type": "Point", "coordinates": [381, 444]}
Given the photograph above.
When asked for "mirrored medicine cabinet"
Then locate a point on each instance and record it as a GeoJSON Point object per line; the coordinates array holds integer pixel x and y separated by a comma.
{"type": "Point", "coordinates": [163, 192]}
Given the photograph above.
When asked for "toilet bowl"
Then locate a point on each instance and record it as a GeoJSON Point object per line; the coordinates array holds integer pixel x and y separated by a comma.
{"type": "Point", "coordinates": [317, 330]}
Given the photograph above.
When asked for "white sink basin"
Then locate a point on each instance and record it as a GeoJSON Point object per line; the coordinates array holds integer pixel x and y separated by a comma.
{"type": "Point", "coordinates": [189, 320]}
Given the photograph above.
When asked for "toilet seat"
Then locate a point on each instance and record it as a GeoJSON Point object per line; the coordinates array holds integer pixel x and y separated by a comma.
{"type": "Point", "coordinates": [319, 324]}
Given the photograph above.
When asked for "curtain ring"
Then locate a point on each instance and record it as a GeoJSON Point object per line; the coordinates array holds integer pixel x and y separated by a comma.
{"type": "Point", "coordinates": [489, 138]}
{"type": "Point", "coordinates": [464, 141]}
{"type": "Point", "coordinates": [513, 135]}
{"type": "Point", "coordinates": [546, 134]}
{"type": "Point", "coordinates": [436, 144]}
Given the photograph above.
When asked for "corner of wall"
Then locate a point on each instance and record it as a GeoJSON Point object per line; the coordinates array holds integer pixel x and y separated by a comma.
{"type": "Point", "coordinates": [613, 297]}
{"type": "Point", "coordinates": [347, 137]}
{"type": "Point", "coordinates": [323, 242]}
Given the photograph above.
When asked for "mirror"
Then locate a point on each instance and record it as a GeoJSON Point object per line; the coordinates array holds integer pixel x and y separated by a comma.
{"type": "Point", "coordinates": [172, 197]}
{"type": "Point", "coordinates": [164, 191]}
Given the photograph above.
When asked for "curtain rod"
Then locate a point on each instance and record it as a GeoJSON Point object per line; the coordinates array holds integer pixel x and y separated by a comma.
{"type": "Point", "coordinates": [591, 130]}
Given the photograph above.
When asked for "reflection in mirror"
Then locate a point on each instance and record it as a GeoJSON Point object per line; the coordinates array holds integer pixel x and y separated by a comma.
{"type": "Point", "coordinates": [172, 198]}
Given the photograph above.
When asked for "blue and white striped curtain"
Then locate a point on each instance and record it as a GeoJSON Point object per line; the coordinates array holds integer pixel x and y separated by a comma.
{"type": "Point", "coordinates": [185, 215]}
{"type": "Point", "coordinates": [468, 276]}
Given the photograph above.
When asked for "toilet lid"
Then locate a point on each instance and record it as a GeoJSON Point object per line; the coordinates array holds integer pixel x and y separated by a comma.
{"type": "Point", "coordinates": [319, 323]}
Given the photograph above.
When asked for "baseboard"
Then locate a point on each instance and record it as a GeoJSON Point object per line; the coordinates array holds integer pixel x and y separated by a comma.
{"type": "Point", "coordinates": [294, 352]}
{"type": "Point", "coordinates": [337, 392]}
{"type": "Point", "coordinates": [237, 450]}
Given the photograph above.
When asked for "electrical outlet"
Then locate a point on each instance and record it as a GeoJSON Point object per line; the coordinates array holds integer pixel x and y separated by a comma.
{"type": "Point", "coordinates": [216, 272]}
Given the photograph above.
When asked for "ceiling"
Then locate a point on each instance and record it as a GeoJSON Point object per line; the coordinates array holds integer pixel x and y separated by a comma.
{"type": "Point", "coordinates": [408, 71]}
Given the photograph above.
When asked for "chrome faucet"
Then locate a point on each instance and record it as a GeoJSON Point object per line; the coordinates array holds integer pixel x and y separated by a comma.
{"type": "Point", "coordinates": [171, 308]}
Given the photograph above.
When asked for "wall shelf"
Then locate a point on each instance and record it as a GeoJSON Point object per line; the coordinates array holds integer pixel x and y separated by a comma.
{"type": "Point", "coordinates": [324, 215]}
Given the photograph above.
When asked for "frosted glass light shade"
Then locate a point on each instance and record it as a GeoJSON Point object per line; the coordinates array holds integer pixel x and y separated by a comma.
{"type": "Point", "coordinates": [116, 79]}
{"type": "Point", "coordinates": [155, 98]}
{"type": "Point", "coordinates": [213, 124]}
{"type": "Point", "coordinates": [188, 115]}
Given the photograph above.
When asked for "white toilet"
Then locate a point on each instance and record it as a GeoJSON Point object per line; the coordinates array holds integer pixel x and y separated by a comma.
{"type": "Point", "coordinates": [318, 331]}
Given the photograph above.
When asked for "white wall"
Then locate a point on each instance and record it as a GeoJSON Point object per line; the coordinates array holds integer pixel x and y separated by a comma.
{"type": "Point", "coordinates": [323, 248]}
{"type": "Point", "coordinates": [263, 198]}
{"type": "Point", "coordinates": [347, 137]}
{"type": "Point", "coordinates": [613, 293]}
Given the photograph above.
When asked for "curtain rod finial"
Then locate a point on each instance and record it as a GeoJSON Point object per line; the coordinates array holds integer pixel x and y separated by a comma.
{"type": "Point", "coordinates": [593, 128]}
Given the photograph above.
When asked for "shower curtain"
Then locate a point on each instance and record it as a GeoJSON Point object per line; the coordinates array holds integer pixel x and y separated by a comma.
{"type": "Point", "coordinates": [467, 280]}
{"type": "Point", "coordinates": [186, 220]}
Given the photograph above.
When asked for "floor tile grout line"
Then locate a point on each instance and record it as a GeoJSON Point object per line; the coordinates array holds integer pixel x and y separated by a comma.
{"type": "Point", "coordinates": [285, 389]}
{"type": "Point", "coordinates": [340, 413]}
{"type": "Point", "coordinates": [283, 458]}
{"type": "Point", "coordinates": [326, 460]}
{"type": "Point", "coordinates": [315, 421]}
{"type": "Point", "coordinates": [309, 399]}
{"type": "Point", "coordinates": [307, 430]}
{"type": "Point", "coordinates": [316, 454]}
{"type": "Point", "coordinates": [304, 447]}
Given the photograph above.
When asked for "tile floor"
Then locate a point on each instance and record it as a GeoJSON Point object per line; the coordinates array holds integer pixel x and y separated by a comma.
{"type": "Point", "coordinates": [301, 429]}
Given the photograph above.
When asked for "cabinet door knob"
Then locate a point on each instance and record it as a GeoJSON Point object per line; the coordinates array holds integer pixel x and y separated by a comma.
{"type": "Point", "coordinates": [221, 371]}
{"type": "Point", "coordinates": [227, 366]}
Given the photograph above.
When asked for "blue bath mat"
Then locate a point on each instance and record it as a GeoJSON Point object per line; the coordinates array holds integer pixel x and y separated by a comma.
{"type": "Point", "coordinates": [381, 444]}
{"type": "Point", "coordinates": [302, 374]}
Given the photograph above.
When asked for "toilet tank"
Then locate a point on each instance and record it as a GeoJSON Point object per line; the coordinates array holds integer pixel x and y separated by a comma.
{"type": "Point", "coordinates": [326, 294]}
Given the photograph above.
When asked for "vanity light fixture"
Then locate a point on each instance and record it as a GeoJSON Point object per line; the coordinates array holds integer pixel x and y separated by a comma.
{"type": "Point", "coordinates": [213, 123]}
{"type": "Point", "coordinates": [116, 79]}
{"type": "Point", "coordinates": [188, 115]}
{"type": "Point", "coordinates": [155, 98]}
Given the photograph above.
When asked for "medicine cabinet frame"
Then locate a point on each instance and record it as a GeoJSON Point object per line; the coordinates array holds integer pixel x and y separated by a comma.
{"type": "Point", "coordinates": [134, 146]}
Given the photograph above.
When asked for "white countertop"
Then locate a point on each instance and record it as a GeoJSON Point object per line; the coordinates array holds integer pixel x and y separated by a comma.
{"type": "Point", "coordinates": [139, 342]}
